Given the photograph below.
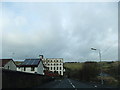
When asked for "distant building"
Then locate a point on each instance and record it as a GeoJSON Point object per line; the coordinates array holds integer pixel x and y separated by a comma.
{"type": "Point", "coordinates": [32, 66]}
{"type": "Point", "coordinates": [8, 64]}
{"type": "Point", "coordinates": [53, 64]}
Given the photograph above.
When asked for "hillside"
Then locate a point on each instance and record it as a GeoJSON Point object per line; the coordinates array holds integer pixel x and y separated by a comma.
{"type": "Point", "coordinates": [18, 62]}
{"type": "Point", "coordinates": [73, 66]}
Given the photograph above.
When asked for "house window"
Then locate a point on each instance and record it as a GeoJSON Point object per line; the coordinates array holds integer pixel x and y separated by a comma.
{"type": "Point", "coordinates": [32, 68]}
{"type": "Point", "coordinates": [8, 67]}
{"type": "Point", "coordinates": [54, 68]}
{"type": "Point", "coordinates": [24, 69]}
{"type": "Point", "coordinates": [51, 68]}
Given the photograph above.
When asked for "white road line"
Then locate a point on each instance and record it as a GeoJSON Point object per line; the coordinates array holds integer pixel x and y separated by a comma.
{"type": "Point", "coordinates": [69, 80]}
{"type": "Point", "coordinates": [71, 84]}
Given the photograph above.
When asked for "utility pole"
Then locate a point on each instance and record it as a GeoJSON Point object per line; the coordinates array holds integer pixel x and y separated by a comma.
{"type": "Point", "coordinates": [101, 74]}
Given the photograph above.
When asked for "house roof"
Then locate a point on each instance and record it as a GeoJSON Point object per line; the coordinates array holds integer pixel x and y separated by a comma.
{"type": "Point", "coordinates": [30, 63]}
{"type": "Point", "coordinates": [5, 61]}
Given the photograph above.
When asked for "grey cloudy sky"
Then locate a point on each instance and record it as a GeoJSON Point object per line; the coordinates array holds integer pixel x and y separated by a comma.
{"type": "Point", "coordinates": [60, 30]}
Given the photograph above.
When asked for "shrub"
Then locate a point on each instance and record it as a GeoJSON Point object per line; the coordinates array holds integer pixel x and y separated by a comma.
{"type": "Point", "coordinates": [108, 80]}
{"type": "Point", "coordinates": [89, 71]}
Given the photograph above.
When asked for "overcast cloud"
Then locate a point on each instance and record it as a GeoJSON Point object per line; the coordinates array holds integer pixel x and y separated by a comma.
{"type": "Point", "coordinates": [60, 30]}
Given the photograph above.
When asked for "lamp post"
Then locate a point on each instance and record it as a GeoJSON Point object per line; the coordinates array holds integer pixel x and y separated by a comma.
{"type": "Point", "coordinates": [100, 63]}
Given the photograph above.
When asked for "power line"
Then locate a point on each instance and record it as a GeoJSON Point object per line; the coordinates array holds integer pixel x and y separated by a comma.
{"type": "Point", "coordinates": [107, 49]}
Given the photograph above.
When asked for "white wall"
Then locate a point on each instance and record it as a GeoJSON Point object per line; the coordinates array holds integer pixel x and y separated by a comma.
{"type": "Point", "coordinates": [28, 69]}
{"type": "Point", "coordinates": [10, 65]}
{"type": "Point", "coordinates": [40, 68]}
{"type": "Point", "coordinates": [54, 62]}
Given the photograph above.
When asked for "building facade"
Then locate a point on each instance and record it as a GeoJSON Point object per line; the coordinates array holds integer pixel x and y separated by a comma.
{"type": "Point", "coordinates": [8, 64]}
{"type": "Point", "coordinates": [32, 66]}
{"type": "Point", "coordinates": [54, 64]}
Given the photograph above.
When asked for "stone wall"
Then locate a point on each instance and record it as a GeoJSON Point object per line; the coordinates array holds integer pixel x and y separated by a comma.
{"type": "Point", "coordinates": [16, 79]}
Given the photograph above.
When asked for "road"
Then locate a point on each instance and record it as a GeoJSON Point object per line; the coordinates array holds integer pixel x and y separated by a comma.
{"type": "Point", "coordinates": [70, 83]}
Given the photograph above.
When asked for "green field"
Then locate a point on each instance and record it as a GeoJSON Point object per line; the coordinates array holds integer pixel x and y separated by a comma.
{"type": "Point", "coordinates": [82, 71]}
{"type": "Point", "coordinates": [73, 66]}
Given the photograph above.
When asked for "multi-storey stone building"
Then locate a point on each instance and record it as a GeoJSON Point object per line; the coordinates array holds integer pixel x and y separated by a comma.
{"type": "Point", "coordinates": [53, 64]}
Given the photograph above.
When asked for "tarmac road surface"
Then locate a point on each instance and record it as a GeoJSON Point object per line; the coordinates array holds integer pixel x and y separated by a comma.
{"type": "Point", "coordinates": [70, 83]}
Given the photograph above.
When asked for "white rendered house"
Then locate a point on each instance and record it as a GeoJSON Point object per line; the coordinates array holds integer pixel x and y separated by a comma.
{"type": "Point", "coordinates": [32, 66]}
{"type": "Point", "coordinates": [8, 64]}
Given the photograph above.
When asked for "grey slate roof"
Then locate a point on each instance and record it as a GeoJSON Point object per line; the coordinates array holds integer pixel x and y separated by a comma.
{"type": "Point", "coordinates": [30, 62]}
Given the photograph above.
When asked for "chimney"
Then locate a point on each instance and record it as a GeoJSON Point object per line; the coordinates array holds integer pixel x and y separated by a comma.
{"type": "Point", "coordinates": [41, 56]}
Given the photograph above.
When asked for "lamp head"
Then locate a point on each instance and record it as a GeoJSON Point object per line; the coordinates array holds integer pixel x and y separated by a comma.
{"type": "Point", "coordinates": [93, 49]}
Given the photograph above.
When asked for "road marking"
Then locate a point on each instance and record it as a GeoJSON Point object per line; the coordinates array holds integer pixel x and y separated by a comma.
{"type": "Point", "coordinates": [71, 84]}
{"type": "Point", "coordinates": [68, 80]}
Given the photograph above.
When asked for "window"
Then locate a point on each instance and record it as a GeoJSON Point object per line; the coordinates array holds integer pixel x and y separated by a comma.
{"type": "Point", "coordinates": [24, 69]}
{"type": "Point", "coordinates": [32, 68]}
{"type": "Point", "coordinates": [57, 68]}
{"type": "Point", "coordinates": [60, 68]}
{"type": "Point", "coordinates": [54, 68]}
{"type": "Point", "coordinates": [60, 72]}
{"type": "Point", "coordinates": [51, 68]}
{"type": "Point", "coordinates": [8, 67]}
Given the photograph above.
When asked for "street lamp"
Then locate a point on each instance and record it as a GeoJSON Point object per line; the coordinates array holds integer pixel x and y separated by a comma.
{"type": "Point", "coordinates": [100, 63]}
